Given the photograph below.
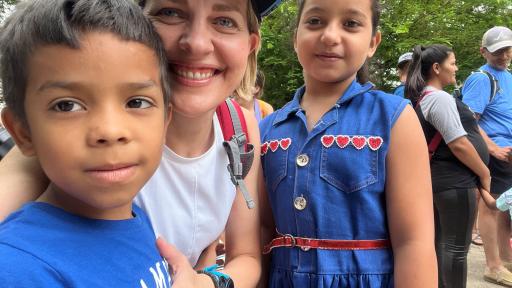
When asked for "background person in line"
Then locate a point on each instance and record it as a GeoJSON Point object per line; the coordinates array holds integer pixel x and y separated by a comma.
{"type": "Point", "coordinates": [458, 165]}
{"type": "Point", "coordinates": [495, 120]}
{"type": "Point", "coordinates": [404, 61]}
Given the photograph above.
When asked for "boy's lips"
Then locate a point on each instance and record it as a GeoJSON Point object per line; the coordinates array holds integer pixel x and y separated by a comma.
{"type": "Point", "coordinates": [115, 173]}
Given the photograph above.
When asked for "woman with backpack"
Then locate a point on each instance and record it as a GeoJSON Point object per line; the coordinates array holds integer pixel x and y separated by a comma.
{"type": "Point", "coordinates": [458, 157]}
{"type": "Point", "coordinates": [211, 46]}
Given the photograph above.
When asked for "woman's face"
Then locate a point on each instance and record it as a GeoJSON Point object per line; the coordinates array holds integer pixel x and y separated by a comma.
{"type": "Point", "coordinates": [448, 70]}
{"type": "Point", "coordinates": [207, 43]}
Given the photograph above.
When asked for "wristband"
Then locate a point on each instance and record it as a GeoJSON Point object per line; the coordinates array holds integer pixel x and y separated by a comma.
{"type": "Point", "coordinates": [220, 280]}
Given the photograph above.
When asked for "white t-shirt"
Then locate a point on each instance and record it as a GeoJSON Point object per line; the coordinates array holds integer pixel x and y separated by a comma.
{"type": "Point", "coordinates": [188, 200]}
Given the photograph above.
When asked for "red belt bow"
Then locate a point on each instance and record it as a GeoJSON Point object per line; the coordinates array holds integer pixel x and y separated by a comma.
{"type": "Point", "coordinates": [305, 244]}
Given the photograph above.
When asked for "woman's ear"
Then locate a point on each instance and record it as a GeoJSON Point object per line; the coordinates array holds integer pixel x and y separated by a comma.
{"type": "Point", "coordinates": [436, 68]}
{"type": "Point", "coordinates": [19, 132]}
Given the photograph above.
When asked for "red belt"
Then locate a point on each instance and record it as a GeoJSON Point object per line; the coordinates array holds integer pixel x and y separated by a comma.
{"type": "Point", "coordinates": [307, 243]}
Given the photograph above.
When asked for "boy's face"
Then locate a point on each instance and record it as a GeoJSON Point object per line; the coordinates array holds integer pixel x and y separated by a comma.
{"type": "Point", "coordinates": [95, 121]}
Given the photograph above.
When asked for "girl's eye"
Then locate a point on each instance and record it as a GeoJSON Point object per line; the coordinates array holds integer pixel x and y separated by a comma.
{"type": "Point", "coordinates": [67, 106]}
{"type": "Point", "coordinates": [139, 103]}
{"type": "Point", "coordinates": [352, 24]}
{"type": "Point", "coordinates": [225, 22]}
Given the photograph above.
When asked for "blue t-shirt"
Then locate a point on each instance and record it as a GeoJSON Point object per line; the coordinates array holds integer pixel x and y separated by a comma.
{"type": "Point", "coordinates": [496, 115]}
{"type": "Point", "coordinates": [44, 246]}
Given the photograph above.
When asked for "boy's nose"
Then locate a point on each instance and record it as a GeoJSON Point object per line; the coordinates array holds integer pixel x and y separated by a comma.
{"type": "Point", "coordinates": [108, 130]}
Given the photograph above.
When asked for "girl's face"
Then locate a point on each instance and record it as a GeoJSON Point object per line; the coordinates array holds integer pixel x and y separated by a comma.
{"type": "Point", "coordinates": [448, 70]}
{"type": "Point", "coordinates": [334, 38]}
{"type": "Point", "coordinates": [207, 44]}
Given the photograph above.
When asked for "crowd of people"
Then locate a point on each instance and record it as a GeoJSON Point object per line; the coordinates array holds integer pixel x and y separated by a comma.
{"type": "Point", "coordinates": [115, 111]}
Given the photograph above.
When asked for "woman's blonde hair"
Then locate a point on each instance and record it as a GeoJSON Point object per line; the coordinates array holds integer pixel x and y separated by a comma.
{"type": "Point", "coordinates": [244, 90]}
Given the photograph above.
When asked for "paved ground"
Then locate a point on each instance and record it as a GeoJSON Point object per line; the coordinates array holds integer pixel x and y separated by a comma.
{"type": "Point", "coordinates": [476, 264]}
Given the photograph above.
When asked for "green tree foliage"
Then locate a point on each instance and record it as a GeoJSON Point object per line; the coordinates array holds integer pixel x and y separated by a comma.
{"type": "Point", "coordinates": [404, 23]}
{"type": "Point", "coordinates": [277, 57]}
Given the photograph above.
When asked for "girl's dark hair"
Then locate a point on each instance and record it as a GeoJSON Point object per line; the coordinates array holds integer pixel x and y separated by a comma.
{"type": "Point", "coordinates": [420, 69]}
{"type": "Point", "coordinates": [36, 23]}
{"type": "Point", "coordinates": [363, 74]}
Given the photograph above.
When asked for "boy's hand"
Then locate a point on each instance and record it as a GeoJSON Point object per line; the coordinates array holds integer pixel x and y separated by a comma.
{"type": "Point", "coordinates": [182, 273]}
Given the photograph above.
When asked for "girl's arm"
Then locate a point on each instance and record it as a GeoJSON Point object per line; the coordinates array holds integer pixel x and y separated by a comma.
{"type": "Point", "coordinates": [243, 254]}
{"type": "Point", "coordinates": [22, 180]}
{"type": "Point", "coordinates": [489, 201]}
{"type": "Point", "coordinates": [466, 153]}
{"type": "Point", "coordinates": [410, 205]}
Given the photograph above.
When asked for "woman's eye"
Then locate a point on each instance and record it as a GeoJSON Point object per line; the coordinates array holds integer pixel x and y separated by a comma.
{"type": "Point", "coordinates": [167, 12]}
{"type": "Point", "coordinates": [67, 106]}
{"type": "Point", "coordinates": [225, 22]}
{"type": "Point", "coordinates": [139, 103]}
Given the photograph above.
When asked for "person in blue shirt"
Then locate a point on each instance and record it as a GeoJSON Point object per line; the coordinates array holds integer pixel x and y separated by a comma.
{"type": "Point", "coordinates": [83, 81]}
{"type": "Point", "coordinates": [404, 61]}
{"type": "Point", "coordinates": [337, 210]}
{"type": "Point", "coordinates": [495, 120]}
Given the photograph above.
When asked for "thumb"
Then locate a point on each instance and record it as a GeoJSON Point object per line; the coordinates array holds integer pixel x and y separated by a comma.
{"type": "Point", "coordinates": [173, 256]}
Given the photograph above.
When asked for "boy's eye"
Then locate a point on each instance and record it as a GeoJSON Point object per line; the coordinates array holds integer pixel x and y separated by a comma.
{"type": "Point", "coordinates": [67, 106]}
{"type": "Point", "coordinates": [139, 103]}
{"type": "Point", "coordinates": [313, 21]}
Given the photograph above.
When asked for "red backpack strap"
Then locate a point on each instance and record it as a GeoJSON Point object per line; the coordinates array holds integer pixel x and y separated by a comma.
{"type": "Point", "coordinates": [436, 140]}
{"type": "Point", "coordinates": [227, 124]}
{"type": "Point", "coordinates": [240, 153]}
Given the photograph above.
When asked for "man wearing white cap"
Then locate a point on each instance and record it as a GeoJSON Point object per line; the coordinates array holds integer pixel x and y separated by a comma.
{"type": "Point", "coordinates": [495, 119]}
{"type": "Point", "coordinates": [403, 69]}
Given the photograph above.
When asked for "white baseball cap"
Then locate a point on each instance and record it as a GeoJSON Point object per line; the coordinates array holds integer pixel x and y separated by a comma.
{"type": "Point", "coordinates": [496, 38]}
{"type": "Point", "coordinates": [405, 57]}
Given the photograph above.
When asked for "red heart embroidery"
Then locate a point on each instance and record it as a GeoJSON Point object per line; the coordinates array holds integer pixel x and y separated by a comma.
{"type": "Point", "coordinates": [327, 140]}
{"type": "Point", "coordinates": [285, 143]}
{"type": "Point", "coordinates": [274, 144]}
{"type": "Point", "coordinates": [342, 141]}
{"type": "Point", "coordinates": [264, 148]}
{"type": "Point", "coordinates": [359, 142]}
{"type": "Point", "coordinates": [374, 142]}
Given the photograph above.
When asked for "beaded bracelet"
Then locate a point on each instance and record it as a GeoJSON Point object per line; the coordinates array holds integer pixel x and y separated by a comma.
{"type": "Point", "coordinates": [220, 280]}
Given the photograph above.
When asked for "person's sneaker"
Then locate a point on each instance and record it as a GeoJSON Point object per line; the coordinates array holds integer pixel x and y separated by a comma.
{"type": "Point", "coordinates": [500, 277]}
{"type": "Point", "coordinates": [507, 265]}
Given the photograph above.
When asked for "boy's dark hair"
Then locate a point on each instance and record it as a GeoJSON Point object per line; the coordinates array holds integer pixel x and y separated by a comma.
{"type": "Point", "coordinates": [423, 59]}
{"type": "Point", "coordinates": [35, 23]}
{"type": "Point", "coordinates": [363, 74]}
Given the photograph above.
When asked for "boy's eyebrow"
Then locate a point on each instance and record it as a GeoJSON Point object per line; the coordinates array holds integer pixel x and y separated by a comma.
{"type": "Point", "coordinates": [68, 85]}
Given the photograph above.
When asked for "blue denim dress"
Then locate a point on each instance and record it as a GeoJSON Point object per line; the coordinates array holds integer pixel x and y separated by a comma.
{"type": "Point", "coordinates": [329, 183]}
